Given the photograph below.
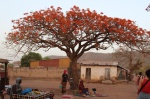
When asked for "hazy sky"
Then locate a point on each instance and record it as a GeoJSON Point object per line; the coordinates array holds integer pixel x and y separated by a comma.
{"type": "Point", "coordinates": [14, 9]}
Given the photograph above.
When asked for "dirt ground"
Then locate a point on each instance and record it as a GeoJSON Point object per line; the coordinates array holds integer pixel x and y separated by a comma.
{"type": "Point", "coordinates": [114, 91]}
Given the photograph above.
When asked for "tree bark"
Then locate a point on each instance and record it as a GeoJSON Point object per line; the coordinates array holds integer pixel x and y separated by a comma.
{"type": "Point", "coordinates": [73, 72]}
{"type": "Point", "coordinates": [134, 67]}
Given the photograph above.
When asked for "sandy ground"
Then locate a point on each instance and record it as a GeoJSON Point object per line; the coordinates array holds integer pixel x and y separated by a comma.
{"type": "Point", "coordinates": [114, 91]}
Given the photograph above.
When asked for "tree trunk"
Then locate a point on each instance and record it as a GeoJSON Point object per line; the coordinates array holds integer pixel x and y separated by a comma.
{"type": "Point", "coordinates": [73, 72]}
{"type": "Point", "coordinates": [134, 67]}
{"type": "Point", "coordinates": [130, 75]}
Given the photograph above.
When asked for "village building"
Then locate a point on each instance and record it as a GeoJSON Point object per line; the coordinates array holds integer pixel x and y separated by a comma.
{"type": "Point", "coordinates": [97, 71]}
{"type": "Point", "coordinates": [16, 64]}
{"type": "Point", "coordinates": [57, 63]}
{"type": "Point", "coordinates": [102, 70]}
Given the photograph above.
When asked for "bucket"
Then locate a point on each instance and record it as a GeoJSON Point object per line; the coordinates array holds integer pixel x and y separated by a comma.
{"type": "Point", "coordinates": [60, 86]}
{"type": "Point", "coordinates": [75, 92]}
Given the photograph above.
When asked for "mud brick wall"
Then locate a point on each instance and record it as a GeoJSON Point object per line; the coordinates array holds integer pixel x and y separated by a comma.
{"type": "Point", "coordinates": [26, 72]}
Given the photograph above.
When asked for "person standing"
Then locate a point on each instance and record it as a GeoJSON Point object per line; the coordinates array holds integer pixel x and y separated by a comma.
{"type": "Point", "coordinates": [144, 86]}
{"type": "Point", "coordinates": [64, 81]}
{"type": "Point", "coordinates": [139, 77]}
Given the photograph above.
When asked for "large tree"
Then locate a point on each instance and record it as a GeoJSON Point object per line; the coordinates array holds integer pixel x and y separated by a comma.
{"type": "Point", "coordinates": [46, 58]}
{"type": "Point", "coordinates": [74, 32]}
{"type": "Point", "coordinates": [31, 56]}
{"type": "Point", "coordinates": [128, 57]}
{"type": "Point", "coordinates": [143, 47]}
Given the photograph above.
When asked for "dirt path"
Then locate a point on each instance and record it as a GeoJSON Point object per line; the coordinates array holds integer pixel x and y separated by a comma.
{"type": "Point", "coordinates": [115, 91]}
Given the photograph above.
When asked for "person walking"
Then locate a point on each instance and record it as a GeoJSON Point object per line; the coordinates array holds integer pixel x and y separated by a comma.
{"type": "Point", "coordinates": [64, 81]}
{"type": "Point", "coordinates": [144, 86]}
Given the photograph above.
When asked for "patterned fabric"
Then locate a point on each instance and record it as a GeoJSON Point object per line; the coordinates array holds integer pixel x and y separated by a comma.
{"type": "Point", "coordinates": [63, 87]}
{"type": "Point", "coordinates": [43, 96]}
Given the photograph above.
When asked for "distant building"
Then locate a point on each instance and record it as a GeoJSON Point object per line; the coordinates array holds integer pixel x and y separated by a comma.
{"type": "Point", "coordinates": [16, 64]}
{"type": "Point", "coordinates": [58, 63]}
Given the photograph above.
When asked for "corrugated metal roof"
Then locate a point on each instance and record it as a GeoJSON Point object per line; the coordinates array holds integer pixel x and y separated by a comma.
{"type": "Point", "coordinates": [100, 62]}
{"type": "Point", "coordinates": [122, 68]}
{"type": "Point", "coordinates": [4, 60]}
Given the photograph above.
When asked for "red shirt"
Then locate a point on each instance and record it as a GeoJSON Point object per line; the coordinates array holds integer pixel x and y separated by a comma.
{"type": "Point", "coordinates": [146, 88]}
{"type": "Point", "coordinates": [81, 86]}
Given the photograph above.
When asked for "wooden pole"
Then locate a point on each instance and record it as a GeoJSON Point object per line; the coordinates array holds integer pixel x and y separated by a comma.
{"type": "Point", "coordinates": [6, 72]}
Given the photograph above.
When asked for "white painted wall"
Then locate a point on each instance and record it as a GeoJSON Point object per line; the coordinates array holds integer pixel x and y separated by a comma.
{"type": "Point", "coordinates": [97, 71]}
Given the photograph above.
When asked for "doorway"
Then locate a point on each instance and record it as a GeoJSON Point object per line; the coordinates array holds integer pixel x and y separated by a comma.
{"type": "Point", "coordinates": [107, 73]}
{"type": "Point", "coordinates": [88, 73]}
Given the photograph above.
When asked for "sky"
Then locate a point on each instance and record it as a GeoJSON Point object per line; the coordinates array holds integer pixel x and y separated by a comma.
{"type": "Point", "coordinates": [15, 9]}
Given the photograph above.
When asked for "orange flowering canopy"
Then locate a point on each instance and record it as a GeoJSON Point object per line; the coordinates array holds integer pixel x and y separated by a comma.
{"type": "Point", "coordinates": [76, 31]}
